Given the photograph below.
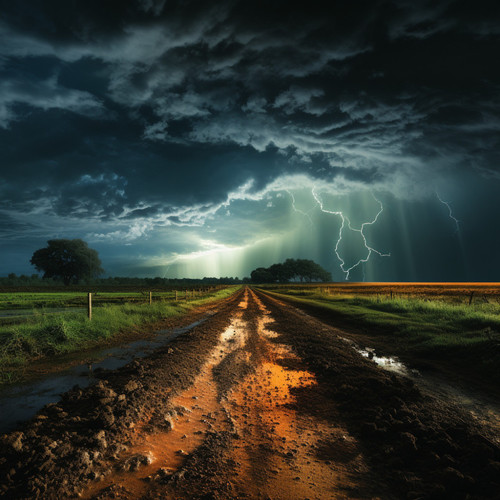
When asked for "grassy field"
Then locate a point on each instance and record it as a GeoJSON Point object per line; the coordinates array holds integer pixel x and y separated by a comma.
{"type": "Point", "coordinates": [58, 299]}
{"type": "Point", "coordinates": [42, 335]}
{"type": "Point", "coordinates": [446, 292]}
{"type": "Point", "coordinates": [432, 322]}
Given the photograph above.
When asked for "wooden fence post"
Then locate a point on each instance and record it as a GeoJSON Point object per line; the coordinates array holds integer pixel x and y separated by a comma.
{"type": "Point", "coordinates": [471, 296]}
{"type": "Point", "coordinates": [391, 294]}
{"type": "Point", "coordinates": [150, 298]}
{"type": "Point", "coordinates": [89, 305]}
{"type": "Point", "coordinates": [176, 295]}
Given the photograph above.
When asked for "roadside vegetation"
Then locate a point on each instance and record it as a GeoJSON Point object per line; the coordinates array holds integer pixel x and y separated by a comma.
{"type": "Point", "coordinates": [426, 331]}
{"type": "Point", "coordinates": [42, 300]}
{"type": "Point", "coordinates": [42, 335]}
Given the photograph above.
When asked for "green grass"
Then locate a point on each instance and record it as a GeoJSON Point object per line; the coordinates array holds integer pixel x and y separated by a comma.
{"type": "Point", "coordinates": [46, 335]}
{"type": "Point", "coordinates": [29, 300]}
{"type": "Point", "coordinates": [432, 329]}
{"type": "Point", "coordinates": [432, 321]}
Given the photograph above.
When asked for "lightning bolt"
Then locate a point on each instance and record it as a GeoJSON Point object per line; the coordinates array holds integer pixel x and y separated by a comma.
{"type": "Point", "coordinates": [344, 218]}
{"type": "Point", "coordinates": [319, 201]}
{"type": "Point", "coordinates": [450, 212]}
{"type": "Point", "coordinates": [301, 212]}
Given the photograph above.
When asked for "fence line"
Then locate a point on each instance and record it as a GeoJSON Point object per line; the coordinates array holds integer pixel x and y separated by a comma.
{"type": "Point", "coordinates": [91, 299]}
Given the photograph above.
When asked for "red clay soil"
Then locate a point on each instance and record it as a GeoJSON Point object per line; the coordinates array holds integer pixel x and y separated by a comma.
{"type": "Point", "coordinates": [259, 401]}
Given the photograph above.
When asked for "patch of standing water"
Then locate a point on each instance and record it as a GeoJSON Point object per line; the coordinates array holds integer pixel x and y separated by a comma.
{"type": "Point", "coordinates": [388, 363]}
{"type": "Point", "coordinates": [20, 402]}
{"type": "Point", "coordinates": [391, 364]}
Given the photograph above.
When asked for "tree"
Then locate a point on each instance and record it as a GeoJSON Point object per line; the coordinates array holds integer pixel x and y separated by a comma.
{"type": "Point", "coordinates": [281, 272]}
{"type": "Point", "coordinates": [291, 269]}
{"type": "Point", "coordinates": [69, 260]}
{"type": "Point", "coordinates": [308, 270]}
{"type": "Point", "coordinates": [261, 275]}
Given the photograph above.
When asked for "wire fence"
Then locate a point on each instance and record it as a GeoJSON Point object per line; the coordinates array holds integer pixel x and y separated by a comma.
{"type": "Point", "coordinates": [19, 306]}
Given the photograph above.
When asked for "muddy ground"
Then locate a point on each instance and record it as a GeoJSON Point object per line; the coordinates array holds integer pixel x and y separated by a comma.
{"type": "Point", "coordinates": [259, 401]}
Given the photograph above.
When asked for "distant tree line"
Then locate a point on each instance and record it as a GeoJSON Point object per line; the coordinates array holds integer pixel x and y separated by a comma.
{"type": "Point", "coordinates": [291, 270]}
{"type": "Point", "coordinates": [73, 262]}
{"type": "Point", "coordinates": [35, 280]}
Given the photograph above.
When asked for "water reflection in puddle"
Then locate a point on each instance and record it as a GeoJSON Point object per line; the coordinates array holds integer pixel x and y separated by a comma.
{"type": "Point", "coordinates": [391, 364]}
{"type": "Point", "coordinates": [21, 401]}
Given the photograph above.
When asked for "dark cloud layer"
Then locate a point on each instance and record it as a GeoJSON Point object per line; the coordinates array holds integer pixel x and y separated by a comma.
{"type": "Point", "coordinates": [163, 113]}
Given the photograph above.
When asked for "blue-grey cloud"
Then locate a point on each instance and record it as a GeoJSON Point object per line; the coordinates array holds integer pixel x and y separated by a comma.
{"type": "Point", "coordinates": [134, 118]}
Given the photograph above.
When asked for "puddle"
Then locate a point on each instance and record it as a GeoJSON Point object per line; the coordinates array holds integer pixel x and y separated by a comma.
{"type": "Point", "coordinates": [391, 364]}
{"type": "Point", "coordinates": [20, 402]}
{"type": "Point", "coordinates": [387, 363]}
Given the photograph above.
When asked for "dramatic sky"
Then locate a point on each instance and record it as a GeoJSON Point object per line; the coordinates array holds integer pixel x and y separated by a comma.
{"type": "Point", "coordinates": [184, 138]}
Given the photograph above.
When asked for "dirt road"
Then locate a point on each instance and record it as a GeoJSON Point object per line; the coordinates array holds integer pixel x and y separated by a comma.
{"type": "Point", "coordinates": [259, 401]}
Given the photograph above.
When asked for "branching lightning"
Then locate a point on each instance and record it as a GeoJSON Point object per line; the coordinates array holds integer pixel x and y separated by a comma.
{"type": "Point", "coordinates": [301, 212]}
{"type": "Point", "coordinates": [344, 218]}
{"type": "Point", "coordinates": [450, 212]}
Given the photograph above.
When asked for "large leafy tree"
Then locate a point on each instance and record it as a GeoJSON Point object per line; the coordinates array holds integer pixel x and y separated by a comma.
{"type": "Point", "coordinates": [69, 260]}
{"type": "Point", "coordinates": [306, 270]}
{"type": "Point", "coordinates": [262, 275]}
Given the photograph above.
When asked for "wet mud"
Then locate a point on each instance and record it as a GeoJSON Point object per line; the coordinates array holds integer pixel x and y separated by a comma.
{"type": "Point", "coordinates": [259, 401]}
{"type": "Point", "coordinates": [28, 396]}
{"type": "Point", "coordinates": [429, 447]}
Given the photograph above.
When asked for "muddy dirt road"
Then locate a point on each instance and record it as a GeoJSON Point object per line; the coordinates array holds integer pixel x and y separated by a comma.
{"type": "Point", "coordinates": [259, 401]}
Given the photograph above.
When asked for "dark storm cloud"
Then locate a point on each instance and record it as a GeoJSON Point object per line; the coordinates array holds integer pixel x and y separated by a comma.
{"type": "Point", "coordinates": [9, 226]}
{"type": "Point", "coordinates": [227, 73]}
{"type": "Point", "coordinates": [160, 111]}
